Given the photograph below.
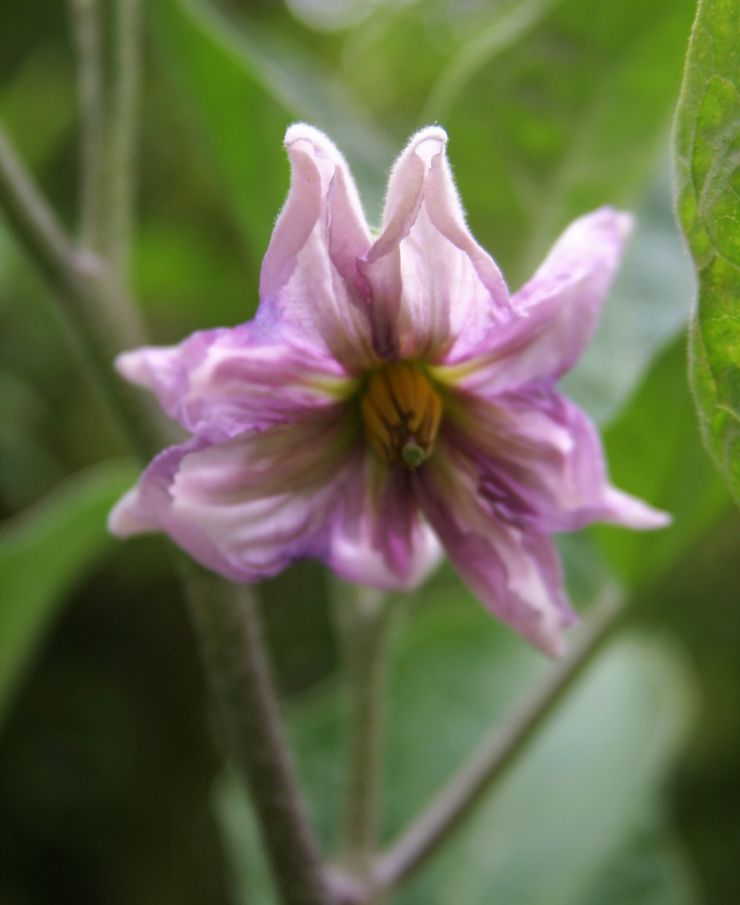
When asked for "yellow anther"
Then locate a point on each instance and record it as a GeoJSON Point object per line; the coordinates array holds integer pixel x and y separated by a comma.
{"type": "Point", "coordinates": [401, 411]}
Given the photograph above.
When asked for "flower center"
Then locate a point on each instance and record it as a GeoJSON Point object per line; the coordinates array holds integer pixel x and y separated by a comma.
{"type": "Point", "coordinates": [401, 412]}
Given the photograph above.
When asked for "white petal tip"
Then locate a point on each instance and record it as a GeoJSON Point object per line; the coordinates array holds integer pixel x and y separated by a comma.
{"type": "Point", "coordinates": [129, 365]}
{"type": "Point", "coordinates": [124, 520]}
{"type": "Point", "coordinates": [302, 132]}
{"type": "Point", "coordinates": [427, 141]}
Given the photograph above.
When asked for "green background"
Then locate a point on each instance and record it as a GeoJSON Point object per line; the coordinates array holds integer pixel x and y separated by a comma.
{"type": "Point", "coordinates": [111, 789]}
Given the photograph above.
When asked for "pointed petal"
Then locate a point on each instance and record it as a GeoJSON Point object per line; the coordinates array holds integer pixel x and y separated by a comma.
{"type": "Point", "coordinates": [248, 507]}
{"type": "Point", "coordinates": [310, 288]}
{"type": "Point", "coordinates": [379, 538]}
{"type": "Point", "coordinates": [434, 287]}
{"type": "Point", "coordinates": [218, 383]}
{"type": "Point", "coordinates": [559, 307]}
{"type": "Point", "coordinates": [514, 571]}
{"type": "Point", "coordinates": [540, 463]}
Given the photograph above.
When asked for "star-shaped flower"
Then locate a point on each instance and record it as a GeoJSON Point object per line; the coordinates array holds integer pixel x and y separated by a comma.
{"type": "Point", "coordinates": [390, 396]}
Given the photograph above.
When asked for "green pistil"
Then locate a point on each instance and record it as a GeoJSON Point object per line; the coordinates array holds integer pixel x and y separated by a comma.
{"type": "Point", "coordinates": [413, 454]}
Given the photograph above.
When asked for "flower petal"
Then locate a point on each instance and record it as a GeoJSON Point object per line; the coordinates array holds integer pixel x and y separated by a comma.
{"type": "Point", "coordinates": [311, 291]}
{"type": "Point", "coordinates": [540, 463]}
{"type": "Point", "coordinates": [514, 570]}
{"type": "Point", "coordinates": [248, 507]}
{"type": "Point", "coordinates": [379, 538]}
{"type": "Point", "coordinates": [434, 288]}
{"type": "Point", "coordinates": [558, 308]}
{"type": "Point", "coordinates": [218, 383]}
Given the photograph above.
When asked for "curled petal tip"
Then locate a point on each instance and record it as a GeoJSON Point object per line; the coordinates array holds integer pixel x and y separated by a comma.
{"type": "Point", "coordinates": [315, 137]}
{"type": "Point", "coordinates": [428, 141]}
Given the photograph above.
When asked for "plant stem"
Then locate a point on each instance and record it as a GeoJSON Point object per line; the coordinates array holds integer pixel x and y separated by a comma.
{"type": "Point", "coordinates": [78, 278]}
{"type": "Point", "coordinates": [122, 135]}
{"type": "Point", "coordinates": [87, 33]}
{"type": "Point", "coordinates": [363, 619]}
{"type": "Point", "coordinates": [228, 624]}
{"type": "Point", "coordinates": [458, 799]}
{"type": "Point", "coordinates": [228, 632]}
{"type": "Point", "coordinates": [36, 224]}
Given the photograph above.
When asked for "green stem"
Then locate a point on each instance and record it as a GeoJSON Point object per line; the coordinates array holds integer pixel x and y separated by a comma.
{"type": "Point", "coordinates": [122, 122]}
{"type": "Point", "coordinates": [459, 798]}
{"type": "Point", "coordinates": [87, 34]}
{"type": "Point", "coordinates": [228, 630]}
{"type": "Point", "coordinates": [228, 624]}
{"type": "Point", "coordinates": [363, 618]}
{"type": "Point", "coordinates": [78, 278]}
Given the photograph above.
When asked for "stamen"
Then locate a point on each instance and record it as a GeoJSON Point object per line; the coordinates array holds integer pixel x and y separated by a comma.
{"type": "Point", "coordinates": [402, 412]}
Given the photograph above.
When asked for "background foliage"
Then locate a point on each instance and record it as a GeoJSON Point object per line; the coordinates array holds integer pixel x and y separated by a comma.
{"type": "Point", "coordinates": [107, 773]}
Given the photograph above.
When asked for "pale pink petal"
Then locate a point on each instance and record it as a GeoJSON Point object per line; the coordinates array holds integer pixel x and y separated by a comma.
{"type": "Point", "coordinates": [434, 288]}
{"type": "Point", "coordinates": [514, 570]}
{"type": "Point", "coordinates": [378, 536]}
{"type": "Point", "coordinates": [219, 383]}
{"type": "Point", "coordinates": [311, 291]}
{"type": "Point", "coordinates": [246, 507]}
{"type": "Point", "coordinates": [558, 308]}
{"type": "Point", "coordinates": [540, 463]}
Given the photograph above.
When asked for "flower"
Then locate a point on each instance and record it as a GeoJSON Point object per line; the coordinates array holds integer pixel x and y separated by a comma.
{"type": "Point", "coordinates": [389, 397]}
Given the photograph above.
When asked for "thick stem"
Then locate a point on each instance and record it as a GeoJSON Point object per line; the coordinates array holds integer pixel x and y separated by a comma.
{"type": "Point", "coordinates": [458, 799]}
{"type": "Point", "coordinates": [228, 631]}
{"type": "Point", "coordinates": [87, 34]}
{"type": "Point", "coordinates": [228, 625]}
{"type": "Point", "coordinates": [363, 619]}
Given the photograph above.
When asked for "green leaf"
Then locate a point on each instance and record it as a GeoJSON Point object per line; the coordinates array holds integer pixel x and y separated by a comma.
{"type": "Point", "coordinates": [569, 117]}
{"type": "Point", "coordinates": [595, 768]}
{"type": "Point", "coordinates": [243, 87]}
{"type": "Point", "coordinates": [654, 451]}
{"type": "Point", "coordinates": [708, 164]}
{"type": "Point", "coordinates": [43, 552]}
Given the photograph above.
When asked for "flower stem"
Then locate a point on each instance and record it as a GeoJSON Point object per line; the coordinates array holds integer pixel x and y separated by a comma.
{"type": "Point", "coordinates": [228, 624]}
{"type": "Point", "coordinates": [363, 621]}
{"type": "Point", "coordinates": [458, 799]}
{"type": "Point", "coordinates": [87, 33]}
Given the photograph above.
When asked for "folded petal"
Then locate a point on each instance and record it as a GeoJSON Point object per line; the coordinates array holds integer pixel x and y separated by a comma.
{"type": "Point", "coordinates": [219, 383]}
{"type": "Point", "coordinates": [378, 536]}
{"type": "Point", "coordinates": [311, 291]}
{"type": "Point", "coordinates": [434, 288]}
{"type": "Point", "coordinates": [540, 463]}
{"type": "Point", "coordinates": [557, 309]}
{"type": "Point", "coordinates": [514, 570]}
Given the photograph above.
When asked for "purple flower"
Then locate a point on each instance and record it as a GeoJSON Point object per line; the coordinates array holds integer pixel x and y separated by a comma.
{"type": "Point", "coordinates": [389, 396]}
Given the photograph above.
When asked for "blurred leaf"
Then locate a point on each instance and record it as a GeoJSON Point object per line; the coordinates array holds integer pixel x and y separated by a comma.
{"type": "Point", "coordinates": [651, 871]}
{"type": "Point", "coordinates": [39, 105]}
{"type": "Point", "coordinates": [244, 86]}
{"type": "Point", "coordinates": [25, 460]}
{"type": "Point", "coordinates": [595, 769]}
{"type": "Point", "coordinates": [43, 552]}
{"type": "Point", "coordinates": [708, 157]}
{"type": "Point", "coordinates": [654, 451]}
{"type": "Point", "coordinates": [566, 119]}
{"type": "Point", "coordinates": [647, 306]}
